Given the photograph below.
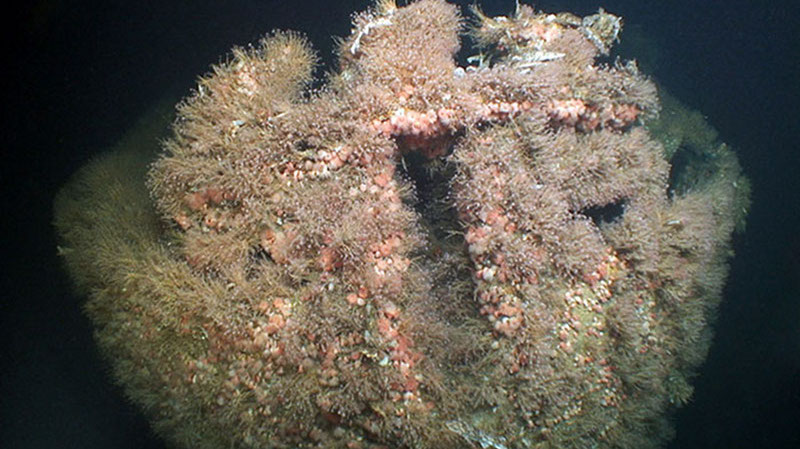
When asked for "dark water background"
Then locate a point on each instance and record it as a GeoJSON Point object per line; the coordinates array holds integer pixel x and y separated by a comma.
{"type": "Point", "coordinates": [76, 73]}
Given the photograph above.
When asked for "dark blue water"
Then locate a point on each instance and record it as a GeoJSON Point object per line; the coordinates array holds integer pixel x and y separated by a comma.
{"type": "Point", "coordinates": [77, 72]}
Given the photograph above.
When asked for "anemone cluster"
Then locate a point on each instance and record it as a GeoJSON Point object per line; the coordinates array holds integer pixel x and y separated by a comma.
{"type": "Point", "coordinates": [516, 253]}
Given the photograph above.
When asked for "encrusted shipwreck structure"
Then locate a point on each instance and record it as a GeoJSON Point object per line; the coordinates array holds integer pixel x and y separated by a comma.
{"type": "Point", "coordinates": [417, 255]}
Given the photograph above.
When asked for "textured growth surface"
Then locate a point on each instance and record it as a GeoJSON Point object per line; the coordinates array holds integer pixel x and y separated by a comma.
{"type": "Point", "coordinates": [513, 254]}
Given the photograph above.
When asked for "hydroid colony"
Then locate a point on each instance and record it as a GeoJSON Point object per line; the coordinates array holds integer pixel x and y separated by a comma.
{"type": "Point", "coordinates": [418, 254]}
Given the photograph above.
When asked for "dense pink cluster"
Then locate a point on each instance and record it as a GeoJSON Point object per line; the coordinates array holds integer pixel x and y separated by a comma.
{"type": "Point", "coordinates": [575, 112]}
